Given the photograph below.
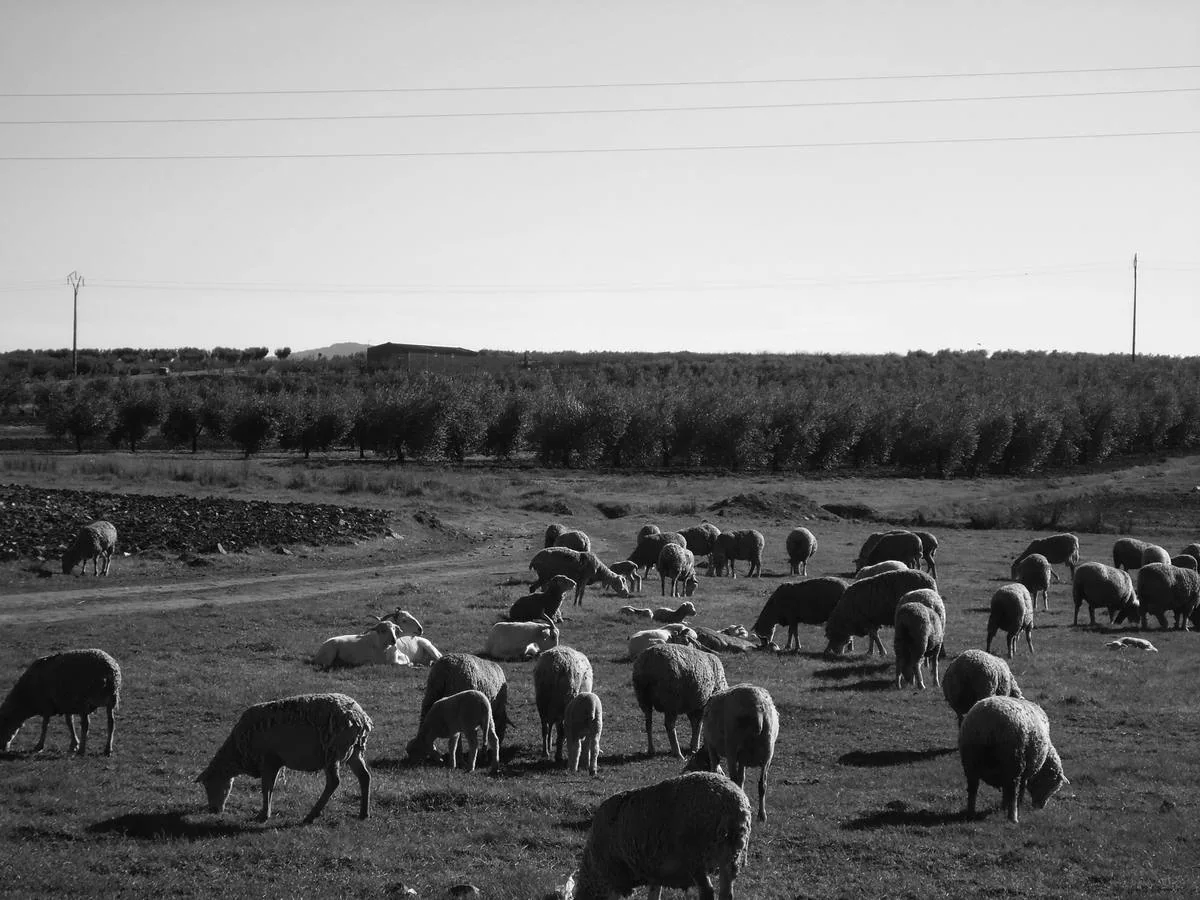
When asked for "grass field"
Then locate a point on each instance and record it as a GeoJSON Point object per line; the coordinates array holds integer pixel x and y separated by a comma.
{"type": "Point", "coordinates": [866, 794]}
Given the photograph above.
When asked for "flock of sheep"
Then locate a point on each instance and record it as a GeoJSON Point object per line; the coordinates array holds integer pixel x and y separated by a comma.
{"type": "Point", "coordinates": [678, 832]}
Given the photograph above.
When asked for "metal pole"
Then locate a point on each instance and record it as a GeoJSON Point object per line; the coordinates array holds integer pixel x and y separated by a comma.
{"type": "Point", "coordinates": [75, 280]}
{"type": "Point", "coordinates": [1133, 350]}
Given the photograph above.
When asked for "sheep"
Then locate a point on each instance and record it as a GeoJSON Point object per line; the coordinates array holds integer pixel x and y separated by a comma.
{"type": "Point", "coordinates": [1104, 586]}
{"type": "Point", "coordinates": [678, 564]}
{"type": "Point", "coordinates": [1193, 550]}
{"type": "Point", "coordinates": [1011, 610]}
{"type": "Point", "coordinates": [309, 733]}
{"type": "Point", "coordinates": [642, 611]}
{"type": "Point", "coordinates": [668, 634]}
{"type": "Point", "coordinates": [1034, 572]}
{"type": "Point", "coordinates": [647, 530]}
{"type": "Point", "coordinates": [99, 539]}
{"type": "Point", "coordinates": [629, 570]}
{"type": "Point", "coordinates": [399, 617]}
{"type": "Point", "coordinates": [929, 547]}
{"type": "Point", "coordinates": [1185, 561]}
{"type": "Point", "coordinates": [741, 726]}
{"type": "Point", "coordinates": [801, 545]}
{"type": "Point", "coordinates": [545, 603]}
{"type": "Point", "coordinates": [520, 640]}
{"type": "Point", "coordinates": [559, 675]}
{"type": "Point", "coordinates": [1122, 643]}
{"type": "Point", "coordinates": [734, 545]}
{"type": "Point", "coordinates": [456, 672]}
{"type": "Point", "coordinates": [673, 616]}
{"type": "Point", "coordinates": [670, 834]}
{"type": "Point", "coordinates": [899, 545]}
{"type": "Point", "coordinates": [467, 713]}
{"type": "Point", "coordinates": [918, 638]}
{"type": "Point", "coordinates": [675, 680]}
{"type": "Point", "coordinates": [1155, 554]}
{"type": "Point", "coordinates": [1057, 548]}
{"type": "Point", "coordinates": [1005, 742]}
{"type": "Point", "coordinates": [419, 651]}
{"type": "Point", "coordinates": [575, 539]}
{"type": "Point", "coordinates": [1162, 587]}
{"type": "Point", "coordinates": [582, 568]}
{"type": "Point", "coordinates": [583, 723]}
{"type": "Point", "coordinates": [868, 605]}
{"type": "Point", "coordinates": [553, 530]}
{"type": "Point", "coordinates": [701, 540]}
{"type": "Point", "coordinates": [376, 646]}
{"type": "Point", "coordinates": [649, 546]}
{"type": "Point", "coordinates": [71, 683]}
{"type": "Point", "coordinates": [1127, 553]}
{"type": "Point", "coordinates": [888, 565]}
{"type": "Point", "coordinates": [973, 675]}
{"type": "Point", "coordinates": [798, 603]}
{"type": "Point", "coordinates": [720, 642]}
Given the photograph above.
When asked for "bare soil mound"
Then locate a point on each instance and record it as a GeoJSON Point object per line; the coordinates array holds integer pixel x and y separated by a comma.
{"type": "Point", "coordinates": [781, 506]}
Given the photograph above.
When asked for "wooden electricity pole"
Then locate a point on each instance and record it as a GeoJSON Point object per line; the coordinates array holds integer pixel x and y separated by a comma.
{"type": "Point", "coordinates": [75, 280]}
{"type": "Point", "coordinates": [1133, 350]}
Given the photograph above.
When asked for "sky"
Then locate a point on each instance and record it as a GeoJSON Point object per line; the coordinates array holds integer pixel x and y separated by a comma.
{"type": "Point", "coordinates": [789, 176]}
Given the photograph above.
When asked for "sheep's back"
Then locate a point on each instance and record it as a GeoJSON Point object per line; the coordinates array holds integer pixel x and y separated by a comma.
{"type": "Point", "coordinates": [676, 678]}
{"type": "Point", "coordinates": [71, 682]}
{"type": "Point", "coordinates": [559, 675]}
{"type": "Point", "coordinates": [973, 675]}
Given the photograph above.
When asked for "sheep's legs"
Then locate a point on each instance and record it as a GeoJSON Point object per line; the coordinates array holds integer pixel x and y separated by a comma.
{"type": "Point", "coordinates": [1028, 638]}
{"type": "Point", "coordinates": [558, 742]}
{"type": "Point", "coordinates": [649, 731]}
{"type": "Point", "coordinates": [71, 728]}
{"type": "Point", "coordinates": [112, 728]}
{"type": "Point", "coordinates": [593, 754]}
{"type": "Point", "coordinates": [332, 780]}
{"type": "Point", "coordinates": [654, 892]}
{"type": "Point", "coordinates": [697, 720]}
{"type": "Point", "coordinates": [85, 724]}
{"type": "Point", "coordinates": [672, 736]}
{"type": "Point", "coordinates": [726, 876]}
{"type": "Point", "coordinates": [270, 774]}
{"type": "Point", "coordinates": [42, 740]}
{"type": "Point", "coordinates": [1009, 801]}
{"type": "Point", "coordinates": [452, 752]}
{"type": "Point", "coordinates": [546, 726]}
{"type": "Point", "coordinates": [972, 793]}
{"type": "Point", "coordinates": [704, 888]}
{"type": "Point", "coordinates": [573, 751]}
{"type": "Point", "coordinates": [358, 766]}
{"type": "Point", "coordinates": [472, 748]}
{"type": "Point", "coordinates": [762, 792]}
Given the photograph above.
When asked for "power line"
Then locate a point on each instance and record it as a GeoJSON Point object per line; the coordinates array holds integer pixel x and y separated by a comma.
{"type": "Point", "coordinates": [616, 84]}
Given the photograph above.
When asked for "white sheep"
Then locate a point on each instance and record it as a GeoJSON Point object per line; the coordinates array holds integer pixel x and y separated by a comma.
{"type": "Point", "coordinates": [583, 724]}
{"type": "Point", "coordinates": [1127, 553]}
{"type": "Point", "coordinates": [741, 726]}
{"type": "Point", "coordinates": [1163, 588]}
{"type": "Point", "coordinates": [1155, 554]}
{"type": "Point", "coordinates": [898, 545]}
{"type": "Point", "coordinates": [465, 714]}
{"type": "Point", "coordinates": [575, 539]}
{"type": "Point", "coordinates": [918, 639]}
{"type": "Point", "coordinates": [1103, 586]}
{"type": "Point", "coordinates": [71, 683]}
{"type": "Point", "coordinates": [669, 616]}
{"type": "Point", "coordinates": [678, 564]}
{"type": "Point", "coordinates": [672, 834]}
{"type": "Point", "coordinates": [801, 544]}
{"type": "Point", "coordinates": [1122, 643]}
{"type": "Point", "coordinates": [731, 546]}
{"type": "Point", "coordinates": [630, 571]}
{"type": "Point", "coordinates": [1005, 742]}
{"type": "Point", "coordinates": [1057, 548]}
{"type": "Point", "coordinates": [798, 603]}
{"type": "Point", "coordinates": [560, 674]}
{"type": "Point", "coordinates": [309, 733]}
{"type": "Point", "coordinates": [456, 672]}
{"type": "Point", "coordinates": [1011, 610]}
{"type": "Point", "coordinates": [1034, 572]}
{"type": "Point", "coordinates": [868, 605]}
{"type": "Point", "coordinates": [544, 603]}
{"type": "Point", "coordinates": [376, 646]}
{"type": "Point", "coordinates": [400, 617]}
{"type": "Point", "coordinates": [667, 634]}
{"type": "Point", "coordinates": [888, 565]}
{"type": "Point", "coordinates": [520, 640]}
{"type": "Point", "coordinates": [582, 568]}
{"type": "Point", "coordinates": [418, 651]}
{"type": "Point", "coordinates": [675, 680]}
{"type": "Point", "coordinates": [701, 540]}
{"type": "Point", "coordinates": [973, 675]}
{"type": "Point", "coordinates": [95, 541]}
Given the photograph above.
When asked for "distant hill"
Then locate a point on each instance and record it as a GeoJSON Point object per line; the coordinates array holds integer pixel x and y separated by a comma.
{"type": "Point", "coordinates": [347, 349]}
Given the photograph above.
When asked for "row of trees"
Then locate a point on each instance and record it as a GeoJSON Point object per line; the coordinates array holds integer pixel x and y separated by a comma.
{"type": "Point", "coordinates": [56, 364]}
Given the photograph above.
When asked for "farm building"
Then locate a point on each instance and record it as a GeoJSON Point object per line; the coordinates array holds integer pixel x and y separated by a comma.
{"type": "Point", "coordinates": [418, 357]}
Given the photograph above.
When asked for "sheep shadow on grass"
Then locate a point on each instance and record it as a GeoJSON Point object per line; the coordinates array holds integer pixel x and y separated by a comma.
{"type": "Point", "coordinates": [898, 813]}
{"type": "Point", "coordinates": [879, 758]}
{"type": "Point", "coordinates": [171, 825]}
{"type": "Point", "coordinates": [843, 674]}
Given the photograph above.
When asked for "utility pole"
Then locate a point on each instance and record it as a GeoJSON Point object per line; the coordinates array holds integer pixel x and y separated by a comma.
{"type": "Point", "coordinates": [1133, 350]}
{"type": "Point", "coordinates": [75, 280]}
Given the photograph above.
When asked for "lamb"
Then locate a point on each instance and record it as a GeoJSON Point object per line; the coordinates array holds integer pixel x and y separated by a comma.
{"type": "Point", "coordinates": [467, 713]}
{"type": "Point", "coordinates": [1005, 742]}
{"type": "Point", "coordinates": [649, 546]}
{"type": "Point", "coordinates": [575, 539]}
{"type": "Point", "coordinates": [671, 834]}
{"type": "Point", "coordinates": [546, 603]}
{"type": "Point", "coordinates": [456, 672]}
{"type": "Point", "coordinates": [1122, 643]}
{"type": "Point", "coordinates": [868, 605]}
{"type": "Point", "coordinates": [644, 612]}
{"type": "Point", "coordinates": [1127, 553]}
{"type": "Point", "coordinates": [1011, 610]}
{"type": "Point", "coordinates": [670, 616]}
{"type": "Point", "coordinates": [1057, 548]}
{"type": "Point", "coordinates": [418, 650]}
{"type": "Point", "coordinates": [701, 540]}
{"type": "Point", "coordinates": [582, 568]}
{"type": "Point", "coordinates": [629, 570]}
{"type": "Point", "coordinates": [1162, 587]}
{"type": "Point", "coordinates": [741, 726]}
{"type": "Point", "coordinates": [918, 638]}
{"type": "Point", "coordinates": [801, 545]}
{"type": "Point", "coordinates": [1185, 561]}
{"type": "Point", "coordinates": [520, 640]}
{"type": "Point", "coordinates": [71, 683]}
{"type": "Point", "coordinates": [888, 565]}
{"type": "Point", "coordinates": [1034, 572]}
{"type": "Point", "coordinates": [929, 546]}
{"type": "Point", "coordinates": [973, 675]}
{"type": "Point", "coordinates": [798, 603]}
{"type": "Point", "coordinates": [376, 646]}
{"type": "Point", "coordinates": [721, 641]}
{"type": "Point", "coordinates": [309, 733]}
{"type": "Point", "coordinates": [99, 539]}
{"type": "Point", "coordinates": [899, 545]}
{"type": "Point", "coordinates": [746, 544]}
{"type": "Point", "coordinates": [559, 676]}
{"type": "Point", "coordinates": [553, 530]}
{"type": "Point", "coordinates": [668, 634]}
{"type": "Point", "coordinates": [675, 680]}
{"type": "Point", "coordinates": [1103, 586]}
{"type": "Point", "coordinates": [399, 617]}
{"type": "Point", "coordinates": [1155, 554]}
{"type": "Point", "coordinates": [678, 564]}
{"type": "Point", "coordinates": [583, 723]}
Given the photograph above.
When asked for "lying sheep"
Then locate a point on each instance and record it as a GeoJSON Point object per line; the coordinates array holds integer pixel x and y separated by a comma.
{"type": "Point", "coordinates": [678, 564]}
{"type": "Point", "coordinates": [1103, 586]}
{"type": "Point", "coordinates": [71, 683]}
{"type": "Point", "coordinates": [667, 634]}
{"type": "Point", "coordinates": [701, 540]}
{"type": "Point", "coordinates": [99, 539]}
{"type": "Point", "coordinates": [973, 675]}
{"type": "Point", "coordinates": [685, 610]}
{"type": "Point", "coordinates": [888, 565]}
{"type": "Point", "coordinates": [574, 539]}
{"type": "Point", "coordinates": [898, 545]}
{"type": "Point", "coordinates": [1127, 553]}
{"type": "Point", "coordinates": [1163, 588]}
{"type": "Point", "coordinates": [582, 568]}
{"type": "Point", "coordinates": [520, 640]}
{"type": "Point", "coordinates": [1057, 548]}
{"type": "Point", "coordinates": [560, 675]}
{"type": "Point", "coordinates": [741, 726]}
{"type": "Point", "coordinates": [629, 570]}
{"type": "Point", "coordinates": [1011, 610]}
{"type": "Point", "coordinates": [918, 639]}
{"type": "Point", "coordinates": [731, 546]}
{"type": "Point", "coordinates": [309, 733]}
{"type": "Point", "coordinates": [650, 544]}
{"type": "Point", "coordinates": [374, 647]}
{"type": "Point", "coordinates": [546, 603]}
{"type": "Point", "coordinates": [798, 603]}
{"type": "Point", "coordinates": [418, 650]}
{"type": "Point", "coordinates": [400, 617]}
{"type": "Point", "coordinates": [868, 605]}
{"type": "Point", "coordinates": [1034, 572]}
{"type": "Point", "coordinates": [801, 545]}
{"type": "Point", "coordinates": [583, 723]}
{"type": "Point", "coordinates": [720, 641]}
{"type": "Point", "coordinates": [672, 834]}
{"type": "Point", "coordinates": [675, 680]}
{"type": "Point", "coordinates": [456, 672]}
{"type": "Point", "coordinates": [465, 714]}
{"type": "Point", "coordinates": [643, 612]}
{"type": "Point", "coordinates": [929, 547]}
{"type": "Point", "coordinates": [1005, 742]}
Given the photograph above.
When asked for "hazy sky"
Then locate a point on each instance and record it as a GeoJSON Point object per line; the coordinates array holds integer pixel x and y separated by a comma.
{"type": "Point", "coordinates": [809, 215]}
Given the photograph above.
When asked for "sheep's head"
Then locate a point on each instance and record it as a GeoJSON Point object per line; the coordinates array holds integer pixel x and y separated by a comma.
{"type": "Point", "coordinates": [620, 585]}
{"type": "Point", "coordinates": [689, 586]}
{"type": "Point", "coordinates": [548, 636]}
{"type": "Point", "coordinates": [389, 631]}
{"type": "Point", "coordinates": [1047, 780]}
{"type": "Point", "coordinates": [216, 788]}
{"type": "Point", "coordinates": [403, 615]}
{"type": "Point", "coordinates": [418, 750]}
{"type": "Point", "coordinates": [68, 562]}
{"type": "Point", "coordinates": [10, 724]}
{"type": "Point", "coordinates": [687, 608]}
{"type": "Point", "coordinates": [561, 585]}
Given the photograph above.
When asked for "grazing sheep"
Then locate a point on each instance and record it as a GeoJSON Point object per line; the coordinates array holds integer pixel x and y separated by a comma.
{"type": "Point", "coordinates": [582, 568]}
{"type": "Point", "coordinates": [1011, 610]}
{"type": "Point", "coordinates": [583, 723]}
{"type": "Point", "coordinates": [399, 617]}
{"type": "Point", "coordinates": [1103, 586]}
{"type": "Point", "coordinates": [1193, 550]}
{"type": "Point", "coordinates": [801, 545]}
{"type": "Point", "coordinates": [888, 565]}
{"type": "Point", "coordinates": [671, 834]}
{"type": "Point", "coordinates": [467, 713]}
{"type": "Point", "coordinates": [798, 603]}
{"type": "Point", "coordinates": [973, 675]}
{"type": "Point", "coordinates": [575, 539]}
{"type": "Point", "coordinates": [560, 674]}
{"type": "Point", "coordinates": [553, 530]}
{"type": "Point", "coordinates": [668, 634]}
{"type": "Point", "coordinates": [1005, 742]}
{"type": "Point", "coordinates": [546, 603]}
{"type": "Point", "coordinates": [1155, 554]}
{"type": "Point", "coordinates": [71, 683]}
{"type": "Point", "coordinates": [630, 571]}
{"type": "Point", "coordinates": [1057, 548]}
{"type": "Point", "coordinates": [868, 605]}
{"type": "Point", "coordinates": [1163, 588]}
{"type": "Point", "coordinates": [376, 646]}
{"type": "Point", "coordinates": [648, 529]}
{"type": "Point", "coordinates": [1034, 572]}
{"type": "Point", "coordinates": [702, 540]}
{"type": "Point", "coordinates": [918, 639]}
{"type": "Point", "coordinates": [649, 545]}
{"type": "Point", "coordinates": [520, 640]}
{"type": "Point", "coordinates": [420, 651]}
{"type": "Point", "coordinates": [741, 726]}
{"type": "Point", "coordinates": [1185, 561]}
{"type": "Point", "coordinates": [670, 616]}
{"type": "Point", "coordinates": [746, 544]}
{"type": "Point", "coordinates": [309, 733]}
{"type": "Point", "coordinates": [899, 545]}
{"type": "Point", "coordinates": [675, 680]}
{"type": "Point", "coordinates": [1127, 553]}
{"type": "Point", "coordinates": [678, 564]}
{"type": "Point", "coordinates": [929, 547]}
{"type": "Point", "coordinates": [93, 541]}
{"type": "Point", "coordinates": [456, 672]}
